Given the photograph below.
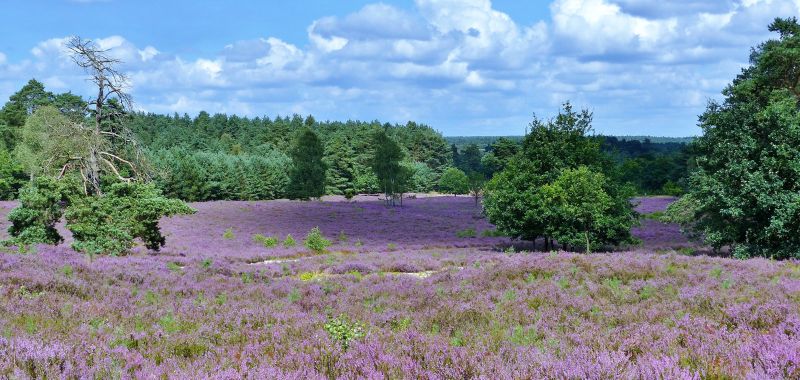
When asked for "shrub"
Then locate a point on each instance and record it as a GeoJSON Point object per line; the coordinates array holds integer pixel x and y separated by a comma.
{"type": "Point", "coordinates": [108, 224]}
{"type": "Point", "coordinates": [289, 241]}
{"type": "Point", "coordinates": [306, 276]}
{"type": "Point", "coordinates": [315, 241]}
{"type": "Point", "coordinates": [467, 233]}
{"type": "Point", "coordinates": [228, 234]}
{"type": "Point", "coordinates": [41, 207]}
{"type": "Point", "coordinates": [67, 271]}
{"type": "Point", "coordinates": [343, 331]}
{"type": "Point", "coordinates": [266, 241]}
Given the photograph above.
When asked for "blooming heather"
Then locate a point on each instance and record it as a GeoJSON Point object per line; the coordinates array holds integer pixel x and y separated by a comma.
{"type": "Point", "coordinates": [437, 307]}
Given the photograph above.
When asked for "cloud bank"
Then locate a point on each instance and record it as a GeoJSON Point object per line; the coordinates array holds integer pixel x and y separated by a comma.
{"type": "Point", "coordinates": [643, 67]}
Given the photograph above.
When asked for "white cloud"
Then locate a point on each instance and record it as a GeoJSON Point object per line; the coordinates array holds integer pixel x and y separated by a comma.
{"type": "Point", "coordinates": [643, 66]}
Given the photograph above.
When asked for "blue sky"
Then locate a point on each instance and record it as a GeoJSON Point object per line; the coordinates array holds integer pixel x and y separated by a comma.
{"type": "Point", "coordinates": [465, 67]}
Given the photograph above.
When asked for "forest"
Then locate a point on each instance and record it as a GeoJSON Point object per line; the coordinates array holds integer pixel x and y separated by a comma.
{"type": "Point", "coordinates": [222, 157]}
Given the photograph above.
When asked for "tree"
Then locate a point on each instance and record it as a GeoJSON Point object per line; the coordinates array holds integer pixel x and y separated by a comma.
{"type": "Point", "coordinates": [475, 182]}
{"type": "Point", "coordinates": [308, 169]}
{"type": "Point", "coordinates": [63, 148]}
{"type": "Point", "coordinates": [106, 142]}
{"type": "Point", "coordinates": [745, 191]}
{"type": "Point", "coordinates": [41, 207]}
{"type": "Point", "coordinates": [12, 176]}
{"type": "Point", "coordinates": [21, 104]}
{"type": "Point", "coordinates": [109, 223]}
{"type": "Point", "coordinates": [513, 198]}
{"type": "Point", "coordinates": [49, 141]}
{"type": "Point", "coordinates": [340, 159]}
{"type": "Point", "coordinates": [470, 160]}
{"type": "Point", "coordinates": [585, 214]}
{"type": "Point", "coordinates": [386, 164]}
{"type": "Point", "coordinates": [454, 181]}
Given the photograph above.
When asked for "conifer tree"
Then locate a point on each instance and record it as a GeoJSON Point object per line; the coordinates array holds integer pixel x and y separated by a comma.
{"type": "Point", "coordinates": [308, 171]}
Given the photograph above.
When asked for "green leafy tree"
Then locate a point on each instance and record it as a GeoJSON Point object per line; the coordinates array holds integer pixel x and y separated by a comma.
{"type": "Point", "coordinates": [746, 186]}
{"type": "Point", "coordinates": [583, 213]}
{"type": "Point", "coordinates": [513, 198]}
{"type": "Point", "coordinates": [475, 182]}
{"type": "Point", "coordinates": [470, 160]}
{"type": "Point", "coordinates": [454, 181]}
{"type": "Point", "coordinates": [386, 165]}
{"type": "Point", "coordinates": [308, 169]}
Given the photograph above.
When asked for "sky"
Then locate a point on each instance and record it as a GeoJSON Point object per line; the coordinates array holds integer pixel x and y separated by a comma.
{"type": "Point", "coordinates": [464, 67]}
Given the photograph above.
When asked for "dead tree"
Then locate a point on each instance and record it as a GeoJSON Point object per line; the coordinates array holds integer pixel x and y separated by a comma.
{"type": "Point", "coordinates": [107, 137]}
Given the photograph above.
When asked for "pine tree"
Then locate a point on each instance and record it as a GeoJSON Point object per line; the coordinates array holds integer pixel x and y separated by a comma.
{"type": "Point", "coordinates": [386, 164]}
{"type": "Point", "coordinates": [308, 172]}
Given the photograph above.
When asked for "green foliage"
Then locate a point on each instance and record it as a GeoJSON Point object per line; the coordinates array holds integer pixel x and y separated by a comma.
{"type": "Point", "coordinates": [203, 176]}
{"type": "Point", "coordinates": [467, 233]}
{"type": "Point", "coordinates": [307, 276]}
{"type": "Point", "coordinates": [67, 271]}
{"type": "Point", "coordinates": [475, 183]}
{"type": "Point", "coordinates": [344, 331]}
{"type": "Point", "coordinates": [538, 194]}
{"type": "Point", "coordinates": [454, 181]}
{"type": "Point", "coordinates": [41, 207]}
{"type": "Point", "coordinates": [582, 213]}
{"type": "Point", "coordinates": [386, 164]}
{"type": "Point", "coordinates": [12, 176]}
{"type": "Point", "coordinates": [49, 140]}
{"type": "Point", "coordinates": [745, 191]}
{"type": "Point", "coordinates": [228, 234]}
{"type": "Point", "coordinates": [422, 178]}
{"type": "Point", "coordinates": [316, 242]}
{"type": "Point", "coordinates": [108, 224]}
{"type": "Point", "coordinates": [307, 179]}
{"type": "Point", "coordinates": [266, 241]}
{"type": "Point", "coordinates": [21, 104]}
{"type": "Point", "coordinates": [289, 242]}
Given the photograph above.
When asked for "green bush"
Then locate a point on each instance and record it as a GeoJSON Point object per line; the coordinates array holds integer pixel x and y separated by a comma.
{"type": "Point", "coordinates": [467, 233]}
{"type": "Point", "coordinates": [315, 241]}
{"type": "Point", "coordinates": [289, 242]}
{"type": "Point", "coordinates": [344, 331]}
{"type": "Point", "coordinates": [266, 241]}
{"type": "Point", "coordinates": [108, 224]}
{"type": "Point", "coordinates": [41, 207]}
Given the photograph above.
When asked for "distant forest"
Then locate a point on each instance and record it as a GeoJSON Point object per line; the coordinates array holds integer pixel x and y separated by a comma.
{"type": "Point", "coordinates": [462, 141]}
{"type": "Point", "coordinates": [227, 157]}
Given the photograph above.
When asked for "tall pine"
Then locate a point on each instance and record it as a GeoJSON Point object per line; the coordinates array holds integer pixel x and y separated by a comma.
{"type": "Point", "coordinates": [308, 170]}
{"type": "Point", "coordinates": [386, 164]}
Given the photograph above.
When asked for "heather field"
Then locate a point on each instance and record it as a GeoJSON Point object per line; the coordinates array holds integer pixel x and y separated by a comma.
{"type": "Point", "coordinates": [402, 293]}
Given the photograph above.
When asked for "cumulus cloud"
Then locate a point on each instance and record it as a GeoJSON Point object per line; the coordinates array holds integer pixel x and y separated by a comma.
{"type": "Point", "coordinates": [643, 66]}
